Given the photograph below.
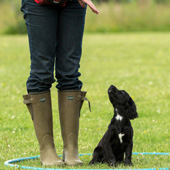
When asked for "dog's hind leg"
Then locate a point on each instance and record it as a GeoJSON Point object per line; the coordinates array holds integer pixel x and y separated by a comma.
{"type": "Point", "coordinates": [107, 146]}
{"type": "Point", "coordinates": [98, 155]}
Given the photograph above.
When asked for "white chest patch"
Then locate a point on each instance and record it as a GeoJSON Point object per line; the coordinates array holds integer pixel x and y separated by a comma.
{"type": "Point", "coordinates": [118, 117]}
{"type": "Point", "coordinates": [120, 137]}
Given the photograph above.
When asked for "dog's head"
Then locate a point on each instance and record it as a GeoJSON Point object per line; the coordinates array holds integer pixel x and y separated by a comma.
{"type": "Point", "coordinates": [120, 99]}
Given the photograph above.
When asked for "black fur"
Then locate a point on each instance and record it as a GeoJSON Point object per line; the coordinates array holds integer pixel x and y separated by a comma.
{"type": "Point", "coordinates": [118, 139]}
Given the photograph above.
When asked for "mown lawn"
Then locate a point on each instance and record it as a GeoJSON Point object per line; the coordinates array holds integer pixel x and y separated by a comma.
{"type": "Point", "coordinates": [136, 62]}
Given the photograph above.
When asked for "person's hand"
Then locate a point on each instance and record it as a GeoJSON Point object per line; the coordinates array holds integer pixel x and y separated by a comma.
{"type": "Point", "coordinates": [90, 4]}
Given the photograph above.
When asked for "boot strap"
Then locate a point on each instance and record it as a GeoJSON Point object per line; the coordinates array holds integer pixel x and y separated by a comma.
{"type": "Point", "coordinates": [85, 98]}
{"type": "Point", "coordinates": [28, 101]}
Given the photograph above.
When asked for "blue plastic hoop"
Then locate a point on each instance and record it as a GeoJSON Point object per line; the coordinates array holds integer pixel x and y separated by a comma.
{"type": "Point", "coordinates": [10, 163]}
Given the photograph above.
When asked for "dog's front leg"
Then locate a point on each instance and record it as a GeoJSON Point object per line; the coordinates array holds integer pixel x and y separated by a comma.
{"type": "Point", "coordinates": [110, 157]}
{"type": "Point", "coordinates": [128, 155]}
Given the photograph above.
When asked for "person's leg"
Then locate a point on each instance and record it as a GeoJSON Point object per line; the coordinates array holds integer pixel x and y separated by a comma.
{"type": "Point", "coordinates": [41, 24]}
{"type": "Point", "coordinates": [69, 48]}
{"type": "Point", "coordinates": [68, 54]}
{"type": "Point", "coordinates": [41, 21]}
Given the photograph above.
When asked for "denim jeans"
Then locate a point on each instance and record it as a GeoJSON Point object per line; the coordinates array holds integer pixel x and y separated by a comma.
{"type": "Point", "coordinates": [55, 40]}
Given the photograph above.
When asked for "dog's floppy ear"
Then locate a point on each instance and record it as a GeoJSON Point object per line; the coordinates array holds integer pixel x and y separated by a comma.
{"type": "Point", "coordinates": [131, 111]}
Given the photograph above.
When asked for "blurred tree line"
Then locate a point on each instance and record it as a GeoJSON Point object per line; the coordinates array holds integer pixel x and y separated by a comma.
{"type": "Point", "coordinates": [128, 1]}
{"type": "Point", "coordinates": [117, 16]}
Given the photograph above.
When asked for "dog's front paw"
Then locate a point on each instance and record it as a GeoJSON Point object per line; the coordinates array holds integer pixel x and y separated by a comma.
{"type": "Point", "coordinates": [91, 162]}
{"type": "Point", "coordinates": [112, 162]}
{"type": "Point", "coordinates": [128, 163]}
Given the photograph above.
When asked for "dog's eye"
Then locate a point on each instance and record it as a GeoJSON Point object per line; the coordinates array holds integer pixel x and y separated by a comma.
{"type": "Point", "coordinates": [123, 91]}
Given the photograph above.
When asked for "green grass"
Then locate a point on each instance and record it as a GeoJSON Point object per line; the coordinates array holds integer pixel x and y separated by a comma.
{"type": "Point", "coordinates": [135, 62]}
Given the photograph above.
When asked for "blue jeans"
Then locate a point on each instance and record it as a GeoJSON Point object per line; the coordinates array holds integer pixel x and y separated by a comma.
{"type": "Point", "coordinates": [55, 40]}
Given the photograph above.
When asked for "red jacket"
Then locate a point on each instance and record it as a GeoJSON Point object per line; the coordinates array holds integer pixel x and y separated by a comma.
{"type": "Point", "coordinates": [60, 2]}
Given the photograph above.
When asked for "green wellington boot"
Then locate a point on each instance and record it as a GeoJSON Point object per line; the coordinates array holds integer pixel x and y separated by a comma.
{"type": "Point", "coordinates": [70, 103]}
{"type": "Point", "coordinates": [39, 106]}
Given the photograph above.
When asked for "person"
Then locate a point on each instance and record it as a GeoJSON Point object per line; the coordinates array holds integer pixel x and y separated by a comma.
{"type": "Point", "coordinates": [55, 40]}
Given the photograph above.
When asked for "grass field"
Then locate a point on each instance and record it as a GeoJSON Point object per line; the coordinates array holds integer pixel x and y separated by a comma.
{"type": "Point", "coordinates": [136, 62]}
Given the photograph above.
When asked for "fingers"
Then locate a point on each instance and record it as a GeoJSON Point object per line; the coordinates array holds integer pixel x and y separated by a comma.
{"type": "Point", "coordinates": [90, 4]}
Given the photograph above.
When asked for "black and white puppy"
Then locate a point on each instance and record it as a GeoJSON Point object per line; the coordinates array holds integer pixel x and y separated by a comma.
{"type": "Point", "coordinates": [118, 139]}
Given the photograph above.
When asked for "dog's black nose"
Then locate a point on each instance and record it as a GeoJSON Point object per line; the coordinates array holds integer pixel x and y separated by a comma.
{"type": "Point", "coordinates": [112, 88]}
